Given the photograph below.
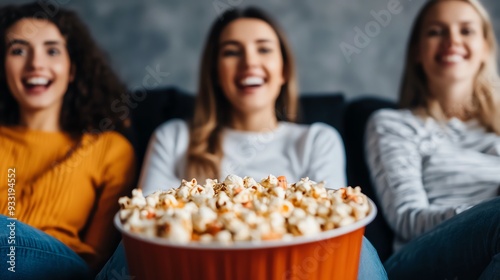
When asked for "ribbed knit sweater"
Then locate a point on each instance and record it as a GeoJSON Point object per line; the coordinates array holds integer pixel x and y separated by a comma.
{"type": "Point", "coordinates": [426, 172]}
{"type": "Point", "coordinates": [68, 190]}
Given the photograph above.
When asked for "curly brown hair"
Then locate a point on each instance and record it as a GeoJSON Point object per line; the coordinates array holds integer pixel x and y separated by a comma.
{"type": "Point", "coordinates": [87, 102]}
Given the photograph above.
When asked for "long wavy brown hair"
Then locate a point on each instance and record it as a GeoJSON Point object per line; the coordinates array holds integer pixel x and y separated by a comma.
{"type": "Point", "coordinates": [414, 93]}
{"type": "Point", "coordinates": [87, 102]}
{"type": "Point", "coordinates": [212, 109]}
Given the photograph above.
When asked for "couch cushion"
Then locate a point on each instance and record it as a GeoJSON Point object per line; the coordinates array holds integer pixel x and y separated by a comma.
{"type": "Point", "coordinates": [157, 107]}
{"type": "Point", "coordinates": [327, 108]}
{"type": "Point", "coordinates": [356, 117]}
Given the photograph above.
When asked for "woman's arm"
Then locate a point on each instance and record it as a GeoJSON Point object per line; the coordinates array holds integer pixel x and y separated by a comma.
{"type": "Point", "coordinates": [167, 145]}
{"type": "Point", "coordinates": [395, 164]}
{"type": "Point", "coordinates": [118, 174]}
{"type": "Point", "coordinates": [327, 156]}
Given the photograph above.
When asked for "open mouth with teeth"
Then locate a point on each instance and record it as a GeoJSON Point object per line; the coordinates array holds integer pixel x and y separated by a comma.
{"type": "Point", "coordinates": [251, 82]}
{"type": "Point", "coordinates": [37, 84]}
{"type": "Point", "coordinates": [450, 58]}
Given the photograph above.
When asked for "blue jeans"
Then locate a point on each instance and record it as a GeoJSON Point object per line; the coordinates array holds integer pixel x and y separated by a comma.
{"type": "Point", "coordinates": [370, 266]}
{"type": "Point", "coordinates": [466, 246]}
{"type": "Point", "coordinates": [29, 253]}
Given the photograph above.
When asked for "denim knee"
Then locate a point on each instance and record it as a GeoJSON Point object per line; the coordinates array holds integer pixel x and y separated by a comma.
{"type": "Point", "coordinates": [370, 266]}
{"type": "Point", "coordinates": [32, 254]}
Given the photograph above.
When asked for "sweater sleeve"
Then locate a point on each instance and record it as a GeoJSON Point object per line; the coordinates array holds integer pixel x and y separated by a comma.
{"type": "Point", "coordinates": [167, 144]}
{"type": "Point", "coordinates": [327, 160]}
{"type": "Point", "coordinates": [117, 178]}
{"type": "Point", "coordinates": [395, 163]}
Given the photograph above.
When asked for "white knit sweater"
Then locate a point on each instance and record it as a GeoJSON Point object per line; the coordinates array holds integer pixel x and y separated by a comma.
{"type": "Point", "coordinates": [425, 172]}
{"type": "Point", "coordinates": [295, 151]}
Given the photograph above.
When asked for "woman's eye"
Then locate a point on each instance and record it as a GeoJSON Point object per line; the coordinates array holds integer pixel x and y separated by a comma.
{"type": "Point", "coordinates": [265, 50]}
{"type": "Point", "coordinates": [53, 52]}
{"type": "Point", "coordinates": [434, 32]}
{"type": "Point", "coordinates": [230, 53]}
{"type": "Point", "coordinates": [17, 51]}
{"type": "Point", "coordinates": [467, 31]}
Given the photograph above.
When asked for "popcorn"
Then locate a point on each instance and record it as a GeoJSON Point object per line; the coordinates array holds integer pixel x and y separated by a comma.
{"type": "Point", "coordinates": [251, 183]}
{"type": "Point", "coordinates": [137, 198]}
{"type": "Point", "coordinates": [176, 228]}
{"type": "Point", "coordinates": [125, 202]}
{"type": "Point", "coordinates": [308, 226]}
{"type": "Point", "coordinates": [278, 191]}
{"type": "Point", "coordinates": [204, 216]}
{"type": "Point", "coordinates": [233, 181]}
{"type": "Point", "coordinates": [241, 209]}
{"type": "Point", "coordinates": [206, 238]}
{"type": "Point", "coordinates": [241, 231]}
{"type": "Point", "coordinates": [269, 182]}
{"type": "Point", "coordinates": [304, 185]}
{"type": "Point", "coordinates": [223, 236]}
{"type": "Point", "coordinates": [222, 199]}
{"type": "Point", "coordinates": [183, 192]}
{"type": "Point", "coordinates": [243, 196]}
{"type": "Point", "coordinates": [168, 200]}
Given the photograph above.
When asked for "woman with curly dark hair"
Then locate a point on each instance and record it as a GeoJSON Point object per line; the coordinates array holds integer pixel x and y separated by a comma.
{"type": "Point", "coordinates": [64, 163]}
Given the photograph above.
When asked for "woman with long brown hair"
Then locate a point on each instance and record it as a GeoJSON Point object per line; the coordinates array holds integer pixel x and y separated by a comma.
{"type": "Point", "coordinates": [436, 161]}
{"type": "Point", "coordinates": [244, 113]}
{"type": "Point", "coordinates": [64, 162]}
{"type": "Point", "coordinates": [243, 122]}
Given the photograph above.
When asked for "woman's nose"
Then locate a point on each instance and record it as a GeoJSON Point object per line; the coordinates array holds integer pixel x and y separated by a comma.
{"type": "Point", "coordinates": [250, 58]}
{"type": "Point", "coordinates": [36, 60]}
{"type": "Point", "coordinates": [454, 38]}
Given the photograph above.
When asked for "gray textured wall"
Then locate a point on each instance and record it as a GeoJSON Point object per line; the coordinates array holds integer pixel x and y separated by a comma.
{"type": "Point", "coordinates": [168, 35]}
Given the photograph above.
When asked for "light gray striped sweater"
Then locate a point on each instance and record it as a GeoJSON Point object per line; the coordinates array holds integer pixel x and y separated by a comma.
{"type": "Point", "coordinates": [425, 172]}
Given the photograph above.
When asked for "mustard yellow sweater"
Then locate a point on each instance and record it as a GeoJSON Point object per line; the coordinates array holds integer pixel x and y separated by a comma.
{"type": "Point", "coordinates": [68, 190]}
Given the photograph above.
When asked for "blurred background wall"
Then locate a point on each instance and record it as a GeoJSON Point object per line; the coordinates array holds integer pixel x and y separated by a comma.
{"type": "Point", "coordinates": [141, 36]}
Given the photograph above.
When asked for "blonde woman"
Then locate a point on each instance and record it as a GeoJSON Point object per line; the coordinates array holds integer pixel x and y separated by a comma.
{"type": "Point", "coordinates": [436, 162]}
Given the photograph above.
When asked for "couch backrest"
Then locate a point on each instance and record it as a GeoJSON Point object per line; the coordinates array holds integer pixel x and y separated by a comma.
{"type": "Point", "coordinates": [349, 118]}
{"type": "Point", "coordinates": [357, 113]}
{"type": "Point", "coordinates": [157, 107]}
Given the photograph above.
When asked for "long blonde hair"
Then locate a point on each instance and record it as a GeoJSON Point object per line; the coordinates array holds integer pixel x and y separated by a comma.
{"type": "Point", "coordinates": [414, 93]}
{"type": "Point", "coordinates": [212, 109]}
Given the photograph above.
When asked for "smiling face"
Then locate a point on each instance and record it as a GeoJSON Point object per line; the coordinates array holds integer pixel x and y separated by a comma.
{"type": "Point", "coordinates": [452, 46]}
{"type": "Point", "coordinates": [37, 65]}
{"type": "Point", "coordinates": [250, 65]}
